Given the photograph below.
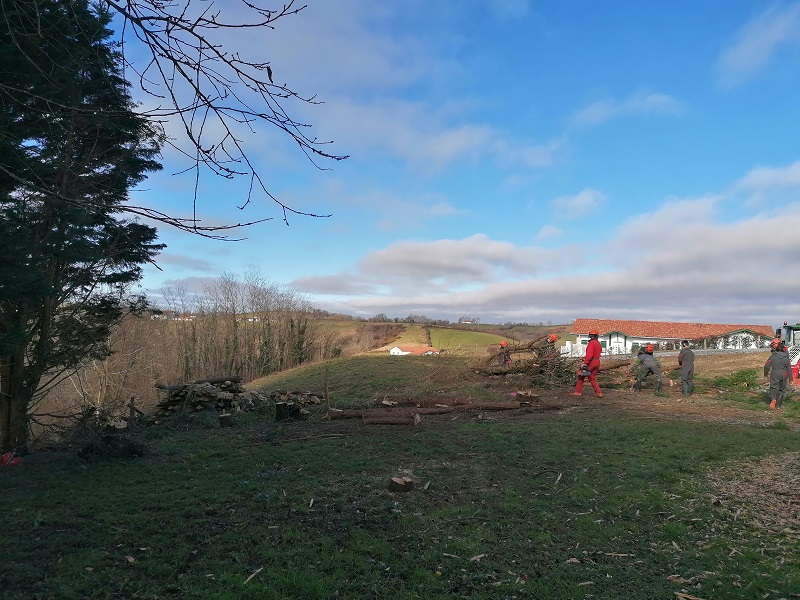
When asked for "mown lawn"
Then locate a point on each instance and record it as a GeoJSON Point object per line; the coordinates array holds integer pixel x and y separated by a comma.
{"type": "Point", "coordinates": [543, 506]}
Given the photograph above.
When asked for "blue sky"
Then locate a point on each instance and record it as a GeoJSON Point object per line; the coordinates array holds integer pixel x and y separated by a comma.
{"type": "Point", "coordinates": [520, 160]}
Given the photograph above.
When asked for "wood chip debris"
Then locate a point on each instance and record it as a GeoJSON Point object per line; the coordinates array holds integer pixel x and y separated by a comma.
{"type": "Point", "coordinates": [253, 574]}
{"type": "Point", "coordinates": [477, 558]}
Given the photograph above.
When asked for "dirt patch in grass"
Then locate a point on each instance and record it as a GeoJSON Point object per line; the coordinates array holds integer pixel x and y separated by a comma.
{"type": "Point", "coordinates": [763, 493]}
{"type": "Point", "coordinates": [718, 365]}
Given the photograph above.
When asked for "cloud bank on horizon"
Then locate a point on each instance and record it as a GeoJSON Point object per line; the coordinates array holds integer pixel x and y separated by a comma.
{"type": "Point", "coordinates": [518, 161]}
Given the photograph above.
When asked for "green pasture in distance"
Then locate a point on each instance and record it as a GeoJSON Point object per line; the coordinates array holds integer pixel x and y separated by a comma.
{"type": "Point", "coordinates": [463, 340]}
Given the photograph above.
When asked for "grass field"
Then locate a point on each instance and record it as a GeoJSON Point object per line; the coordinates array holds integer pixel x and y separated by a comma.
{"type": "Point", "coordinates": [552, 504]}
{"type": "Point", "coordinates": [464, 342]}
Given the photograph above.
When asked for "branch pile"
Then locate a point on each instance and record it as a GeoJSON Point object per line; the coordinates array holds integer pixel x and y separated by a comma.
{"type": "Point", "coordinates": [218, 393]}
{"type": "Point", "coordinates": [542, 362]}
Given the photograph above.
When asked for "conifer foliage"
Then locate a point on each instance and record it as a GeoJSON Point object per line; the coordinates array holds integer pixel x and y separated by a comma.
{"type": "Point", "coordinates": [71, 148]}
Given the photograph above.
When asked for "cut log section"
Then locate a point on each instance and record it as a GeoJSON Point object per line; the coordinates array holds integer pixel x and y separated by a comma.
{"type": "Point", "coordinates": [401, 484]}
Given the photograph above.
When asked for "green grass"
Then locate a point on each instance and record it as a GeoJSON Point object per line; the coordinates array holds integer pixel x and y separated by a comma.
{"type": "Point", "coordinates": [743, 389]}
{"type": "Point", "coordinates": [358, 381]}
{"type": "Point", "coordinates": [463, 341]}
{"type": "Point", "coordinates": [566, 506]}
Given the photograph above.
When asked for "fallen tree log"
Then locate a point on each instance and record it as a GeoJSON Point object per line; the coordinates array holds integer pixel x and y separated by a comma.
{"type": "Point", "coordinates": [392, 420]}
{"type": "Point", "coordinates": [615, 364]}
{"type": "Point", "coordinates": [335, 414]}
{"type": "Point", "coordinates": [426, 400]}
{"type": "Point", "coordinates": [501, 405]}
{"type": "Point", "coordinates": [405, 412]}
{"type": "Point", "coordinates": [436, 410]}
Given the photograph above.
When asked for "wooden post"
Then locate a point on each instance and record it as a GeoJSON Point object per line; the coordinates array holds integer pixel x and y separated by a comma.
{"type": "Point", "coordinates": [325, 391]}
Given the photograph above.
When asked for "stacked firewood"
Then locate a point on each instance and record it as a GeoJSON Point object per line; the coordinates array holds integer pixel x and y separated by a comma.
{"type": "Point", "coordinates": [223, 394]}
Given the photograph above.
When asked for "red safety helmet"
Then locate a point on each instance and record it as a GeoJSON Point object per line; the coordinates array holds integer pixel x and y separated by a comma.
{"type": "Point", "coordinates": [593, 332]}
{"type": "Point", "coordinates": [552, 338]}
{"type": "Point", "coordinates": [649, 348]}
{"type": "Point", "coordinates": [503, 344]}
{"type": "Point", "coordinates": [775, 342]}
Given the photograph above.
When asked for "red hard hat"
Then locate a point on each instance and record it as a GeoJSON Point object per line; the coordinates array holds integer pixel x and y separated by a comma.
{"type": "Point", "coordinates": [775, 342]}
{"type": "Point", "coordinates": [649, 347]}
{"type": "Point", "coordinates": [503, 344]}
{"type": "Point", "coordinates": [593, 332]}
{"type": "Point", "coordinates": [552, 337]}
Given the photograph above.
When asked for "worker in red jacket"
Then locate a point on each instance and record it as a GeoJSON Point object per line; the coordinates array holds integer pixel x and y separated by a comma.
{"type": "Point", "coordinates": [590, 366]}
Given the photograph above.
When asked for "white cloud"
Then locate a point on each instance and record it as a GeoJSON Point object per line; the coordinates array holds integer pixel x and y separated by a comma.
{"type": "Point", "coordinates": [679, 262]}
{"type": "Point", "coordinates": [340, 284]}
{"type": "Point", "coordinates": [476, 259]}
{"type": "Point", "coordinates": [428, 138]}
{"type": "Point", "coordinates": [547, 232]}
{"type": "Point", "coordinates": [641, 103]}
{"type": "Point", "coordinates": [578, 205]}
{"type": "Point", "coordinates": [535, 156]}
{"type": "Point", "coordinates": [758, 42]}
{"type": "Point", "coordinates": [411, 267]}
{"type": "Point", "coordinates": [762, 178]}
{"type": "Point", "coordinates": [183, 261]}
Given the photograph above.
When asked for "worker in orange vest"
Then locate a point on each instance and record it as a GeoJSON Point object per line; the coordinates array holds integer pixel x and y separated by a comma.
{"type": "Point", "coordinates": [505, 357]}
{"type": "Point", "coordinates": [590, 366]}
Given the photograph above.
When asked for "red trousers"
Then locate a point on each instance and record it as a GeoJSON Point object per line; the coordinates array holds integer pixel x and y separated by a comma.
{"type": "Point", "coordinates": [593, 369]}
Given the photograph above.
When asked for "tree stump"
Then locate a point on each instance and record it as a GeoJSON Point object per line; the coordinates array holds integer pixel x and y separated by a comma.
{"type": "Point", "coordinates": [285, 411]}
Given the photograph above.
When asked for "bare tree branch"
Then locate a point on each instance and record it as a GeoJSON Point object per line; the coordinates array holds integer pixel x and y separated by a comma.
{"type": "Point", "coordinates": [205, 87]}
{"type": "Point", "coordinates": [212, 91]}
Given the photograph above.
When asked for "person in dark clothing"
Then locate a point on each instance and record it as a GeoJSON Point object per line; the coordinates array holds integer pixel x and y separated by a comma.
{"type": "Point", "coordinates": [778, 367]}
{"type": "Point", "coordinates": [647, 364]}
{"type": "Point", "coordinates": [686, 362]}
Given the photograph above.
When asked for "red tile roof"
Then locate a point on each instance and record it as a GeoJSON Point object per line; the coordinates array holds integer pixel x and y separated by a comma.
{"type": "Point", "coordinates": [665, 330]}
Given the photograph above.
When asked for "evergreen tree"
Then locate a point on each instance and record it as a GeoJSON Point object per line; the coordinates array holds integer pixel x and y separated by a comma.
{"type": "Point", "coordinates": [74, 147]}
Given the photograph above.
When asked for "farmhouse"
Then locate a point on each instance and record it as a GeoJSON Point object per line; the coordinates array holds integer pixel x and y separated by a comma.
{"type": "Point", "coordinates": [625, 337]}
{"type": "Point", "coordinates": [413, 350]}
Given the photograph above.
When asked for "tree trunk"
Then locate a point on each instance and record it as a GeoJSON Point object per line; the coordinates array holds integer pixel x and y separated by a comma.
{"type": "Point", "coordinates": [14, 400]}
